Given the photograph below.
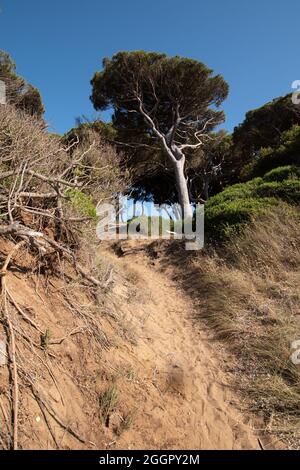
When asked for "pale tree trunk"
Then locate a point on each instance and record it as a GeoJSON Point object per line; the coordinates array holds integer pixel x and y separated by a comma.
{"type": "Point", "coordinates": [175, 155]}
{"type": "Point", "coordinates": [182, 189]}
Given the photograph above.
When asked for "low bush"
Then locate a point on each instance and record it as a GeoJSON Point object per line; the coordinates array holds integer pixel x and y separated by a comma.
{"type": "Point", "coordinates": [228, 212]}
{"type": "Point", "coordinates": [287, 153]}
{"type": "Point", "coordinates": [225, 220]}
{"type": "Point", "coordinates": [283, 173]}
{"type": "Point", "coordinates": [82, 203]}
{"type": "Point", "coordinates": [232, 193]}
{"type": "Point", "coordinates": [288, 190]}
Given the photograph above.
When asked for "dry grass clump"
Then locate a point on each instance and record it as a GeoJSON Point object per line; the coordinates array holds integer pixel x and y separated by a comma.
{"type": "Point", "coordinates": [127, 420]}
{"type": "Point", "coordinates": [250, 293]}
{"type": "Point", "coordinates": [108, 400]}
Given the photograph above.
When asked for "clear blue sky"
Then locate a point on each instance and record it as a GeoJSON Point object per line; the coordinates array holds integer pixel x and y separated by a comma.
{"type": "Point", "coordinates": [58, 45]}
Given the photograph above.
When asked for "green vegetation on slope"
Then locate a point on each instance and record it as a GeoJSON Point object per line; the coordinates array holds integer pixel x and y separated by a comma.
{"type": "Point", "coordinates": [273, 180]}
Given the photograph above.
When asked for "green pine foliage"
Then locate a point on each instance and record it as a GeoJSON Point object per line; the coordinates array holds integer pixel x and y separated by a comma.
{"type": "Point", "coordinates": [82, 203]}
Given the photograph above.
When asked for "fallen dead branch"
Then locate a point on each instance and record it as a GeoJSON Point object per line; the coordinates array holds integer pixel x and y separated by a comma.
{"type": "Point", "coordinates": [42, 401]}
{"type": "Point", "coordinates": [48, 193]}
{"type": "Point", "coordinates": [75, 331]}
{"type": "Point", "coordinates": [12, 342]}
{"type": "Point", "coordinates": [41, 241]}
{"type": "Point", "coordinates": [22, 313]}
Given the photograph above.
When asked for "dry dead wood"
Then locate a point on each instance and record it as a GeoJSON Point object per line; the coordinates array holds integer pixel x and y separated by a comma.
{"type": "Point", "coordinates": [12, 342]}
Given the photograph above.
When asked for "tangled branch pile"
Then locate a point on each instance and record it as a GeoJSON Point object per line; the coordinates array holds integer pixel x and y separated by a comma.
{"type": "Point", "coordinates": [49, 190]}
{"type": "Point", "coordinates": [48, 193]}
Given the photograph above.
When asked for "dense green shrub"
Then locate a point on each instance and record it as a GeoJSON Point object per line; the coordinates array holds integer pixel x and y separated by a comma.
{"type": "Point", "coordinates": [287, 153]}
{"type": "Point", "coordinates": [81, 202]}
{"type": "Point", "coordinates": [288, 190]}
{"type": "Point", "coordinates": [232, 193]}
{"type": "Point", "coordinates": [228, 218]}
{"type": "Point", "coordinates": [283, 173]}
{"type": "Point", "coordinates": [227, 212]}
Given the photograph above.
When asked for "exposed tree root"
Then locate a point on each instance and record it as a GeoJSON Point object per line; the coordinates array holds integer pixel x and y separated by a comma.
{"type": "Point", "coordinates": [54, 415]}
{"type": "Point", "coordinates": [12, 341]}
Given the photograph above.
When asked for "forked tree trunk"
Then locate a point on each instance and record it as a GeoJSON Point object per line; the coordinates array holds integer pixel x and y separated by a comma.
{"type": "Point", "coordinates": [176, 156]}
{"type": "Point", "coordinates": [182, 189]}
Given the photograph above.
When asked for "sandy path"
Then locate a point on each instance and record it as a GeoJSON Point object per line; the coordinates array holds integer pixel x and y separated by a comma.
{"type": "Point", "coordinates": [182, 395]}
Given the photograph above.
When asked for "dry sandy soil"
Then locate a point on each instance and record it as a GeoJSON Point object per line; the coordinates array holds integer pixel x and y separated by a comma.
{"type": "Point", "coordinates": [156, 380]}
{"type": "Point", "coordinates": [184, 400]}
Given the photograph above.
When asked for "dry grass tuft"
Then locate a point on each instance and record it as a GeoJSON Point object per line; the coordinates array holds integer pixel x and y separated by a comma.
{"type": "Point", "coordinates": [126, 422]}
{"type": "Point", "coordinates": [249, 292]}
{"type": "Point", "coordinates": [108, 400]}
{"type": "Point", "coordinates": [251, 296]}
